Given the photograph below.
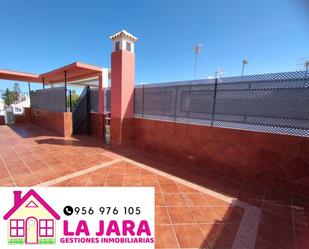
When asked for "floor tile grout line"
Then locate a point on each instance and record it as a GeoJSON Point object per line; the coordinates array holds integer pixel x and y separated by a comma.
{"type": "Point", "coordinates": [197, 222]}
{"type": "Point", "coordinates": [79, 173]}
{"type": "Point", "coordinates": [30, 169]}
{"type": "Point", "coordinates": [194, 186]}
{"type": "Point", "coordinates": [43, 163]}
{"type": "Point", "coordinates": [168, 214]}
{"type": "Point", "coordinates": [293, 219]}
{"type": "Point", "coordinates": [250, 211]}
{"type": "Point", "coordinates": [263, 198]}
{"type": "Point", "coordinates": [8, 171]}
{"type": "Point", "coordinates": [105, 181]}
{"type": "Point", "coordinates": [49, 167]}
{"type": "Point", "coordinates": [160, 187]}
{"type": "Point", "coordinates": [240, 189]}
{"type": "Point", "coordinates": [88, 179]}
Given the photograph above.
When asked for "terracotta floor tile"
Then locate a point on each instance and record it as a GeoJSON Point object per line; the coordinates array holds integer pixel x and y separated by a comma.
{"type": "Point", "coordinates": [278, 196]}
{"type": "Point", "coordinates": [200, 220]}
{"type": "Point", "coordinates": [132, 178]}
{"type": "Point", "coordinates": [230, 214]}
{"type": "Point", "coordinates": [216, 236]}
{"type": "Point", "coordinates": [181, 215]}
{"type": "Point", "coordinates": [161, 216]}
{"type": "Point", "coordinates": [45, 174]}
{"type": "Point", "coordinates": [174, 200]}
{"type": "Point", "coordinates": [230, 186]}
{"type": "Point", "coordinates": [169, 188]}
{"type": "Point", "coordinates": [62, 169]}
{"type": "Point", "coordinates": [164, 180]}
{"type": "Point", "coordinates": [165, 237]}
{"type": "Point", "coordinates": [26, 181]}
{"type": "Point", "coordinates": [261, 244]}
{"type": "Point", "coordinates": [149, 179]}
{"type": "Point", "coordinates": [189, 236]}
{"type": "Point", "coordinates": [4, 181]}
{"type": "Point", "coordinates": [159, 201]}
{"type": "Point", "coordinates": [274, 236]}
{"type": "Point", "coordinates": [205, 214]}
{"type": "Point", "coordinates": [195, 199]}
{"type": "Point", "coordinates": [213, 201]}
{"type": "Point", "coordinates": [187, 190]}
{"type": "Point", "coordinates": [278, 222]}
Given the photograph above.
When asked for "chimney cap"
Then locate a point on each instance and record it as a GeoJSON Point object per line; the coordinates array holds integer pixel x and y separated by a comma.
{"type": "Point", "coordinates": [123, 34]}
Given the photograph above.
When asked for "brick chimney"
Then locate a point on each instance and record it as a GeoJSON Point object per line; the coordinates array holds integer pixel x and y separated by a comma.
{"type": "Point", "coordinates": [122, 87]}
{"type": "Point", "coordinates": [17, 197]}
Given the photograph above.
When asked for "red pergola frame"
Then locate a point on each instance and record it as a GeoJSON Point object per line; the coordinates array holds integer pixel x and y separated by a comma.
{"type": "Point", "coordinates": [65, 74]}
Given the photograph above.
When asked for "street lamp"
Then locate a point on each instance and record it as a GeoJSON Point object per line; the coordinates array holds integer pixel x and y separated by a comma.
{"type": "Point", "coordinates": [306, 64]}
{"type": "Point", "coordinates": [219, 72]}
{"type": "Point", "coordinates": [244, 62]}
{"type": "Point", "coordinates": [197, 50]}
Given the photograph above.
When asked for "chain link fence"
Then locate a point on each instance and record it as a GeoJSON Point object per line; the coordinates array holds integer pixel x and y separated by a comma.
{"type": "Point", "coordinates": [277, 103]}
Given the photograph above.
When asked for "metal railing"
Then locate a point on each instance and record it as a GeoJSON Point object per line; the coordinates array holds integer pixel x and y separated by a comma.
{"type": "Point", "coordinates": [277, 103]}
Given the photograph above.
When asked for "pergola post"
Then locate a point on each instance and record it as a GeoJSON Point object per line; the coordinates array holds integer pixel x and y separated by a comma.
{"type": "Point", "coordinates": [65, 91]}
{"type": "Point", "coordinates": [100, 95]}
{"type": "Point", "coordinates": [103, 84]}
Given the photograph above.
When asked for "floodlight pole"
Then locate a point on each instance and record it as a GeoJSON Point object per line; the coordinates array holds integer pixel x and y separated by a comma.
{"type": "Point", "coordinates": [195, 63]}
{"type": "Point", "coordinates": [306, 67]}
{"type": "Point", "coordinates": [244, 62]}
{"type": "Point", "coordinates": [65, 91]}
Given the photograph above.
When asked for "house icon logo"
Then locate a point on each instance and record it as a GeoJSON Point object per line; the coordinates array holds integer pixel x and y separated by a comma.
{"type": "Point", "coordinates": [31, 220]}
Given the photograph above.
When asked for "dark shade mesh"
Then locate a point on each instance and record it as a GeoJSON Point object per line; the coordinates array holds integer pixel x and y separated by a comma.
{"type": "Point", "coordinates": [276, 103]}
{"type": "Point", "coordinates": [52, 99]}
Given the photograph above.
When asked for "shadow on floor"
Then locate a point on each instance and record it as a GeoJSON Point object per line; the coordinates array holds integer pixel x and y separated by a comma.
{"type": "Point", "coordinates": [30, 130]}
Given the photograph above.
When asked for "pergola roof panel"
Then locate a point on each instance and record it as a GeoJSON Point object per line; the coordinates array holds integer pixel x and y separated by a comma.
{"type": "Point", "coordinates": [18, 76]}
{"type": "Point", "coordinates": [74, 71]}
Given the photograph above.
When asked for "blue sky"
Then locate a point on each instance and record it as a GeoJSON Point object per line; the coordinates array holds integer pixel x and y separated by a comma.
{"type": "Point", "coordinates": [40, 35]}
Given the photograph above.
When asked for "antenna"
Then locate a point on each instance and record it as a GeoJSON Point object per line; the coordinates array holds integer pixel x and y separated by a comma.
{"type": "Point", "coordinates": [197, 50]}
{"type": "Point", "coordinates": [302, 64]}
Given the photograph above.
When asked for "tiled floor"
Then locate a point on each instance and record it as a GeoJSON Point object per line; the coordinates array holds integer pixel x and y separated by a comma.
{"type": "Point", "coordinates": [185, 217]}
{"type": "Point", "coordinates": [31, 155]}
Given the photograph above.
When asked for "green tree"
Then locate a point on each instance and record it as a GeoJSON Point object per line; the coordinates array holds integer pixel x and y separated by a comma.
{"type": "Point", "coordinates": [11, 96]}
{"type": "Point", "coordinates": [17, 88]}
{"type": "Point", "coordinates": [16, 92]}
{"type": "Point", "coordinates": [8, 97]}
{"type": "Point", "coordinates": [74, 99]}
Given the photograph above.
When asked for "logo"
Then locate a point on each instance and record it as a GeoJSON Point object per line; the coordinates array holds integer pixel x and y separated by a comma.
{"type": "Point", "coordinates": [92, 217]}
{"type": "Point", "coordinates": [31, 220]}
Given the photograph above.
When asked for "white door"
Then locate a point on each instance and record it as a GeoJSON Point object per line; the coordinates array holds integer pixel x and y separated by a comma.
{"type": "Point", "coordinates": [32, 231]}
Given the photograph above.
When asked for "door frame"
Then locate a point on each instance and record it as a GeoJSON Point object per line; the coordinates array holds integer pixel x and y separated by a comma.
{"type": "Point", "coordinates": [37, 231]}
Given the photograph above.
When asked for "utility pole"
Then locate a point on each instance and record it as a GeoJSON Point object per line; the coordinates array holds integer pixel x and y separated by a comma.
{"type": "Point", "coordinates": [244, 62]}
{"type": "Point", "coordinates": [197, 50]}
